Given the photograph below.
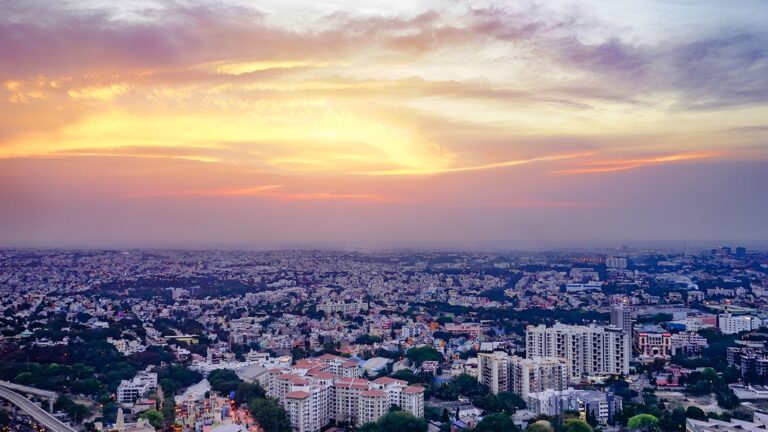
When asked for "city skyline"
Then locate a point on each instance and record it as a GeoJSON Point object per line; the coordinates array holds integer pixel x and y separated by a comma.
{"type": "Point", "coordinates": [397, 124]}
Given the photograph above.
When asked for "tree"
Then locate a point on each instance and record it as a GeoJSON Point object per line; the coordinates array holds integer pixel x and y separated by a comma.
{"type": "Point", "coordinates": [369, 427]}
{"type": "Point", "coordinates": [401, 421]}
{"type": "Point", "coordinates": [577, 425]}
{"type": "Point", "coordinates": [24, 378]}
{"type": "Point", "coordinates": [511, 401]}
{"type": "Point", "coordinates": [156, 418]}
{"type": "Point", "coordinates": [224, 381]}
{"type": "Point", "coordinates": [270, 415]}
{"type": "Point", "coordinates": [496, 423]}
{"type": "Point", "coordinates": [643, 423]}
{"type": "Point", "coordinates": [421, 354]}
{"type": "Point", "coordinates": [540, 426]}
{"type": "Point", "coordinates": [248, 391]}
{"type": "Point", "coordinates": [406, 375]}
{"type": "Point", "coordinates": [695, 413]}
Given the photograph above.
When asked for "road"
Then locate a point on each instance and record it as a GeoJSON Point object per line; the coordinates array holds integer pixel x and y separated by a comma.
{"type": "Point", "coordinates": [40, 415]}
{"type": "Point", "coordinates": [29, 390]}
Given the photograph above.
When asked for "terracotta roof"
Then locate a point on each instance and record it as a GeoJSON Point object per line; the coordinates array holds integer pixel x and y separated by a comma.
{"type": "Point", "coordinates": [297, 395]}
{"type": "Point", "coordinates": [388, 380]}
{"type": "Point", "coordinates": [413, 389]}
{"type": "Point", "coordinates": [330, 357]}
{"type": "Point", "coordinates": [295, 379]}
{"type": "Point", "coordinates": [322, 375]}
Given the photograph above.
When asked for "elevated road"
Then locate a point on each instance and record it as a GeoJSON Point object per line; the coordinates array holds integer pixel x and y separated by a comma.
{"type": "Point", "coordinates": [29, 390]}
{"type": "Point", "coordinates": [40, 415]}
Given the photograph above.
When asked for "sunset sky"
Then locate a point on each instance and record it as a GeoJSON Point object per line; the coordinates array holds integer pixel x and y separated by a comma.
{"type": "Point", "coordinates": [382, 123]}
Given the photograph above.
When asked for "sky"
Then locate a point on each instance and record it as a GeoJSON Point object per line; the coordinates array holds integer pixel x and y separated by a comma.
{"type": "Point", "coordinates": [376, 123]}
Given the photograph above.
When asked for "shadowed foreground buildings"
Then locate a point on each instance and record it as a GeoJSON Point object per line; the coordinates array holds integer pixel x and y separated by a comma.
{"type": "Point", "coordinates": [759, 423]}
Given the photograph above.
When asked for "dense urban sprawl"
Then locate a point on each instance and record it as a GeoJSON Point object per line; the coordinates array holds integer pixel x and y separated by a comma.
{"type": "Point", "coordinates": [304, 341]}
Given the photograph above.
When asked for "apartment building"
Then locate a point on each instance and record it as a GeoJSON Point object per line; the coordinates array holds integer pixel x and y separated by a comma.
{"type": "Point", "coordinates": [502, 372]}
{"type": "Point", "coordinates": [589, 350]}
{"type": "Point", "coordinates": [312, 396]}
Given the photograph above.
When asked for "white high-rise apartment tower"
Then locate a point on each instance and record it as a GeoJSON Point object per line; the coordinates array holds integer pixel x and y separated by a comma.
{"type": "Point", "coordinates": [589, 350]}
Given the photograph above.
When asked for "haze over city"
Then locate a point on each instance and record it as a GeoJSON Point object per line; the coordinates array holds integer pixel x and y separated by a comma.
{"type": "Point", "coordinates": [383, 216]}
{"type": "Point", "coordinates": [340, 123]}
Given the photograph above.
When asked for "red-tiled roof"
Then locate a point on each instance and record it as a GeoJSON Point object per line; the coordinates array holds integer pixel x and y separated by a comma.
{"type": "Point", "coordinates": [297, 395]}
{"type": "Point", "coordinates": [413, 389]}
{"type": "Point", "coordinates": [388, 380]}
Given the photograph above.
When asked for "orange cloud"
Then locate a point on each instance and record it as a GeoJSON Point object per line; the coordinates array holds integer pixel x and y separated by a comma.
{"type": "Point", "coordinates": [504, 164]}
{"type": "Point", "coordinates": [250, 191]}
{"type": "Point", "coordinates": [271, 192]}
{"type": "Point", "coordinates": [628, 164]}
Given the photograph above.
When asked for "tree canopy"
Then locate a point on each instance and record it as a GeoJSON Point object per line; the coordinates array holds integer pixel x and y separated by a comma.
{"type": "Point", "coordinates": [270, 415]}
{"type": "Point", "coordinates": [400, 421]}
{"type": "Point", "coordinates": [421, 354]}
{"type": "Point", "coordinates": [540, 426]}
{"type": "Point", "coordinates": [496, 423]}
{"type": "Point", "coordinates": [577, 425]}
{"type": "Point", "coordinates": [643, 423]}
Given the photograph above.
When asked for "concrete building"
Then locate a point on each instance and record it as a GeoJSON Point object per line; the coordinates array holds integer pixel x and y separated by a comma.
{"type": "Point", "coordinates": [616, 262]}
{"type": "Point", "coordinates": [759, 423]}
{"type": "Point", "coordinates": [130, 390]}
{"type": "Point", "coordinates": [730, 324]}
{"type": "Point", "coordinates": [601, 406]}
{"type": "Point", "coordinates": [493, 370]}
{"type": "Point", "coordinates": [621, 317]}
{"type": "Point", "coordinates": [653, 344]}
{"type": "Point", "coordinates": [502, 372]}
{"type": "Point", "coordinates": [589, 350]}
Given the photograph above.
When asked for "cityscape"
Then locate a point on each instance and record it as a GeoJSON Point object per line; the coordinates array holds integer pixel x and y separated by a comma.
{"type": "Point", "coordinates": [311, 340]}
{"type": "Point", "coordinates": [383, 216]}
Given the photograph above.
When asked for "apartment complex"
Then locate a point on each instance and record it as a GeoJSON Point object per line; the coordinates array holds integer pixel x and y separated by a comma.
{"type": "Point", "coordinates": [313, 395]}
{"type": "Point", "coordinates": [502, 372]}
{"type": "Point", "coordinates": [589, 350]}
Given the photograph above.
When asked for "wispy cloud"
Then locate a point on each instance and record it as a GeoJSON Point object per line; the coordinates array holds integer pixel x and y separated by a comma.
{"type": "Point", "coordinates": [616, 165]}
{"type": "Point", "coordinates": [480, 167]}
{"type": "Point", "coordinates": [277, 192]}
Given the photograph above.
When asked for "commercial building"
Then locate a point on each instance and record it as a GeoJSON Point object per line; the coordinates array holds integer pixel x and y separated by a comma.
{"type": "Point", "coordinates": [130, 390]}
{"type": "Point", "coordinates": [730, 324]}
{"type": "Point", "coordinates": [653, 342]}
{"type": "Point", "coordinates": [621, 317]}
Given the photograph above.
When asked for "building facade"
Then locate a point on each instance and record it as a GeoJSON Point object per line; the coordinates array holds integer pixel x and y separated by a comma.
{"type": "Point", "coordinates": [589, 350]}
{"type": "Point", "coordinates": [502, 372]}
